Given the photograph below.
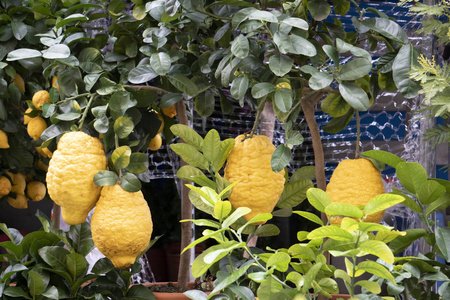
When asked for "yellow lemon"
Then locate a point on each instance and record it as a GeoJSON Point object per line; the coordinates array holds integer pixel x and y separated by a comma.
{"type": "Point", "coordinates": [5, 186]}
{"type": "Point", "coordinates": [36, 190]}
{"type": "Point", "coordinates": [20, 201]}
{"type": "Point", "coordinates": [39, 98]}
{"type": "Point", "coordinates": [169, 111]}
{"type": "Point", "coordinates": [356, 181]}
{"type": "Point", "coordinates": [155, 143]}
{"type": "Point", "coordinates": [283, 85]}
{"type": "Point", "coordinates": [55, 83]}
{"type": "Point", "coordinates": [18, 81]}
{"type": "Point", "coordinates": [70, 176]}
{"type": "Point", "coordinates": [121, 225]}
{"type": "Point", "coordinates": [18, 183]}
{"type": "Point", "coordinates": [42, 166]}
{"type": "Point", "coordinates": [3, 140]}
{"type": "Point", "coordinates": [36, 127]}
{"type": "Point", "coordinates": [26, 118]}
{"type": "Point", "coordinates": [44, 152]}
{"type": "Point", "coordinates": [259, 187]}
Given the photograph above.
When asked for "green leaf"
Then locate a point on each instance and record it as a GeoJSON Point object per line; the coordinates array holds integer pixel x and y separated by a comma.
{"type": "Point", "coordinates": [23, 53]}
{"type": "Point", "coordinates": [335, 105]}
{"type": "Point", "coordinates": [343, 47]}
{"type": "Point", "coordinates": [216, 252]}
{"type": "Point", "coordinates": [310, 277]}
{"type": "Point", "coordinates": [402, 242]}
{"type": "Point", "coordinates": [130, 183]}
{"type": "Point", "coordinates": [443, 241]}
{"type": "Point", "coordinates": [401, 68]}
{"type": "Point", "coordinates": [121, 101]}
{"type": "Point", "coordinates": [240, 46]}
{"type": "Point", "coordinates": [379, 249]}
{"type": "Point", "coordinates": [384, 157]}
{"type": "Point", "coordinates": [183, 84]}
{"type": "Point", "coordinates": [55, 256]}
{"type": "Point", "coordinates": [263, 16]}
{"type": "Point", "coordinates": [138, 163]}
{"type": "Point", "coordinates": [342, 275]}
{"type": "Point", "coordinates": [440, 204]}
{"type": "Point", "coordinates": [239, 87]}
{"type": "Point", "coordinates": [283, 100]}
{"type": "Point", "coordinates": [267, 230]}
{"type": "Point", "coordinates": [319, 9]}
{"type": "Point", "coordinates": [310, 216]}
{"type": "Point", "coordinates": [262, 89]}
{"type": "Point", "coordinates": [19, 30]}
{"type": "Point", "coordinates": [294, 193]}
{"type": "Point", "coordinates": [318, 198]}
{"type": "Point", "coordinates": [355, 69]}
{"type": "Point", "coordinates": [82, 238]}
{"type": "Point", "coordinates": [302, 46]}
{"type": "Point", "coordinates": [382, 202]}
{"type": "Point", "coordinates": [411, 175]}
{"type": "Point", "coordinates": [15, 291]}
{"type": "Point", "coordinates": [232, 278]}
{"type": "Point", "coordinates": [280, 261]}
{"type": "Point", "coordinates": [121, 157]}
{"type": "Point", "coordinates": [304, 173]}
{"type": "Point", "coordinates": [201, 203]}
{"type": "Point", "coordinates": [341, 7]}
{"type": "Point", "coordinates": [387, 28]}
{"type": "Point", "coordinates": [332, 232]}
{"type": "Point", "coordinates": [375, 269]}
{"type": "Point", "coordinates": [222, 209]}
{"type": "Point", "coordinates": [225, 148]}
{"type": "Point", "coordinates": [354, 95]}
{"type": "Point", "coordinates": [123, 126]}
{"type": "Point", "coordinates": [59, 51]}
{"type": "Point", "coordinates": [35, 283]}
{"type": "Point", "coordinates": [187, 173]}
{"type": "Point", "coordinates": [331, 51]}
{"type": "Point", "coordinates": [71, 18]}
{"type": "Point", "coordinates": [160, 63]}
{"type": "Point", "coordinates": [204, 222]}
{"type": "Point", "coordinates": [188, 135]}
{"type": "Point", "coordinates": [105, 178]}
{"type": "Point", "coordinates": [76, 264]}
{"type": "Point", "coordinates": [268, 288]}
{"type": "Point", "coordinates": [51, 293]}
{"type": "Point", "coordinates": [204, 103]}
{"type": "Point", "coordinates": [190, 155]}
{"type": "Point", "coordinates": [296, 22]}
{"type": "Point", "coordinates": [430, 191]}
{"type": "Point", "coordinates": [141, 74]}
{"type": "Point", "coordinates": [238, 213]}
{"type": "Point", "coordinates": [139, 292]}
{"type": "Point", "coordinates": [280, 158]}
{"type": "Point", "coordinates": [343, 209]}
{"type": "Point", "coordinates": [371, 286]}
{"type": "Point", "coordinates": [320, 80]}
{"type": "Point", "coordinates": [280, 65]}
{"type": "Point", "coordinates": [211, 145]}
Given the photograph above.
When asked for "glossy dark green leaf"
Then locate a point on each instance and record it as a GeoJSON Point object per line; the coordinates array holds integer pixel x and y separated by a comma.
{"type": "Point", "coordinates": [184, 84]}
{"type": "Point", "coordinates": [23, 53]}
{"type": "Point", "coordinates": [320, 80]}
{"type": "Point", "coordinates": [411, 175]}
{"type": "Point", "coordinates": [401, 68]}
{"type": "Point", "coordinates": [341, 7]}
{"type": "Point", "coordinates": [402, 242]}
{"type": "Point", "coordinates": [283, 100]}
{"type": "Point", "coordinates": [121, 157]}
{"type": "Point", "coordinates": [355, 69]}
{"type": "Point", "coordinates": [15, 291]}
{"type": "Point", "coordinates": [338, 123]}
{"type": "Point", "coordinates": [354, 95]}
{"type": "Point", "coordinates": [204, 103]}
{"type": "Point", "coordinates": [240, 46]}
{"type": "Point", "coordinates": [296, 22]}
{"type": "Point", "coordinates": [105, 178]}
{"type": "Point", "coordinates": [141, 74]}
{"type": "Point", "coordinates": [239, 87]}
{"type": "Point", "coordinates": [319, 9]}
{"type": "Point", "coordinates": [160, 63]}
{"type": "Point", "coordinates": [71, 18]}
{"type": "Point", "coordinates": [263, 16]}
{"type": "Point", "coordinates": [76, 264]}
{"type": "Point", "coordinates": [280, 65]}
{"type": "Point", "coordinates": [82, 238]}
{"type": "Point", "coordinates": [19, 29]}
{"type": "Point", "coordinates": [56, 52]}
{"type": "Point", "coordinates": [332, 52]}
{"type": "Point", "coordinates": [130, 183]}
{"type": "Point", "coordinates": [387, 28]}
{"type": "Point", "coordinates": [140, 292]}
{"type": "Point", "coordinates": [55, 256]}
{"type": "Point", "coordinates": [343, 47]}
{"type": "Point", "coordinates": [302, 46]}
{"type": "Point", "coordinates": [170, 99]}
{"type": "Point", "coordinates": [294, 193]}
{"type": "Point", "coordinates": [260, 90]}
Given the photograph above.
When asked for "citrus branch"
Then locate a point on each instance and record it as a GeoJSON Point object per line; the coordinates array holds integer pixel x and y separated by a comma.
{"type": "Point", "coordinates": [86, 110]}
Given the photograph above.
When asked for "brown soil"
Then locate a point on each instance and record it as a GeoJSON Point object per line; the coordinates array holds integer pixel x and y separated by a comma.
{"type": "Point", "coordinates": [205, 286]}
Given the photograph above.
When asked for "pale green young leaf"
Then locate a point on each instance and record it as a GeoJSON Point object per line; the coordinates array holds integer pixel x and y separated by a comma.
{"type": "Point", "coordinates": [280, 261]}
{"type": "Point", "coordinates": [188, 172]}
{"type": "Point", "coordinates": [351, 268]}
{"type": "Point", "coordinates": [221, 184]}
{"type": "Point", "coordinates": [121, 157]}
{"type": "Point", "coordinates": [387, 236]}
{"type": "Point", "coordinates": [211, 145]}
{"type": "Point", "coordinates": [349, 224]}
{"type": "Point", "coordinates": [225, 148]}
{"type": "Point", "coordinates": [207, 234]}
{"type": "Point", "coordinates": [294, 193]}
{"type": "Point", "coordinates": [239, 212]}
{"type": "Point", "coordinates": [304, 173]}
{"type": "Point", "coordinates": [226, 189]}
{"type": "Point", "coordinates": [257, 276]}
{"type": "Point", "coordinates": [328, 285]}
{"type": "Point", "coordinates": [296, 278]}
{"type": "Point", "coordinates": [430, 191]}
{"type": "Point", "coordinates": [371, 286]}
{"type": "Point", "coordinates": [267, 230]}
{"type": "Point", "coordinates": [188, 135]}
{"type": "Point", "coordinates": [384, 156]}
{"type": "Point", "coordinates": [343, 209]}
{"type": "Point", "coordinates": [310, 277]}
{"type": "Point", "coordinates": [190, 155]}
{"type": "Point", "coordinates": [201, 203]}
{"type": "Point", "coordinates": [332, 232]}
{"type": "Point", "coordinates": [382, 202]}
{"type": "Point", "coordinates": [411, 175]}
{"type": "Point", "coordinates": [256, 219]}
{"type": "Point", "coordinates": [203, 222]}
{"type": "Point", "coordinates": [222, 209]}
{"type": "Point", "coordinates": [232, 278]}
{"type": "Point", "coordinates": [268, 288]}
{"type": "Point", "coordinates": [216, 255]}
{"type": "Point", "coordinates": [443, 241]}
{"type": "Point", "coordinates": [370, 227]}
{"type": "Point", "coordinates": [207, 194]}
{"type": "Point", "coordinates": [440, 204]}
{"type": "Point", "coordinates": [318, 198]}
{"type": "Point", "coordinates": [376, 269]}
{"type": "Point", "coordinates": [310, 216]}
{"type": "Point", "coordinates": [342, 275]}
{"type": "Point", "coordinates": [302, 252]}
{"type": "Point", "coordinates": [379, 249]}
{"type": "Point", "coordinates": [200, 267]}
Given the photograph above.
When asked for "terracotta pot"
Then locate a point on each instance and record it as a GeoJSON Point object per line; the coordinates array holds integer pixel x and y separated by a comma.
{"type": "Point", "coordinates": [168, 296]}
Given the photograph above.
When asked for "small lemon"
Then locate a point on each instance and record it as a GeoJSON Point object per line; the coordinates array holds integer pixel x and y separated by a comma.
{"type": "Point", "coordinates": [36, 127]}
{"type": "Point", "coordinates": [283, 85]}
{"type": "Point", "coordinates": [121, 225]}
{"type": "Point", "coordinates": [155, 143]}
{"type": "Point", "coordinates": [5, 186]}
{"type": "Point", "coordinates": [55, 83]}
{"type": "Point", "coordinates": [3, 140]}
{"type": "Point", "coordinates": [18, 81]}
{"type": "Point", "coordinates": [39, 98]}
{"type": "Point", "coordinates": [20, 201]}
{"type": "Point", "coordinates": [42, 166]}
{"type": "Point", "coordinates": [44, 152]}
{"type": "Point", "coordinates": [18, 183]}
{"type": "Point", "coordinates": [169, 111]}
{"type": "Point", "coordinates": [26, 118]}
{"type": "Point", "coordinates": [36, 190]}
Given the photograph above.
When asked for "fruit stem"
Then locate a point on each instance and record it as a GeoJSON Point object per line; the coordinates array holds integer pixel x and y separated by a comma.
{"type": "Point", "coordinates": [86, 110]}
{"type": "Point", "coordinates": [358, 134]}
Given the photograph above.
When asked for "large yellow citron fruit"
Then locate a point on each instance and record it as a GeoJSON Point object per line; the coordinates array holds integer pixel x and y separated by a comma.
{"type": "Point", "coordinates": [70, 176]}
{"type": "Point", "coordinates": [36, 127]}
{"type": "Point", "coordinates": [259, 187]}
{"type": "Point", "coordinates": [356, 181]}
{"type": "Point", "coordinates": [39, 98]}
{"type": "Point", "coordinates": [5, 186]}
{"type": "Point", "coordinates": [169, 111]}
{"type": "Point", "coordinates": [3, 140]}
{"type": "Point", "coordinates": [36, 190]}
{"type": "Point", "coordinates": [121, 225]}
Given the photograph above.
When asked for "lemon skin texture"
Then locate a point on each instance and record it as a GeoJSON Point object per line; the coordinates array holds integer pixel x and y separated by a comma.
{"type": "Point", "coordinates": [169, 111]}
{"type": "Point", "coordinates": [356, 181]}
{"type": "Point", "coordinates": [3, 140]}
{"type": "Point", "coordinates": [36, 127]}
{"type": "Point", "coordinates": [259, 187]}
{"type": "Point", "coordinates": [36, 190]}
{"type": "Point", "coordinates": [5, 186]}
{"type": "Point", "coordinates": [155, 143]}
{"type": "Point", "coordinates": [39, 98]}
{"type": "Point", "coordinates": [70, 176]}
{"type": "Point", "coordinates": [121, 225]}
